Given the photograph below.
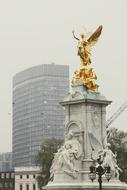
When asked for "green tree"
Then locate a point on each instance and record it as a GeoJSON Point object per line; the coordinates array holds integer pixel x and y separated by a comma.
{"type": "Point", "coordinates": [118, 141]}
{"type": "Point", "coordinates": [44, 160]}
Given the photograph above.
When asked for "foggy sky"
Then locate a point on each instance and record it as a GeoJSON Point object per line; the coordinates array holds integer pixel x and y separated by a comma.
{"type": "Point", "coordinates": [40, 32]}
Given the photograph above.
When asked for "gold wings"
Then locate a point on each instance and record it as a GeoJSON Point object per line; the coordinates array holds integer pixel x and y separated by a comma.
{"type": "Point", "coordinates": [92, 40]}
{"type": "Point", "coordinates": [86, 74]}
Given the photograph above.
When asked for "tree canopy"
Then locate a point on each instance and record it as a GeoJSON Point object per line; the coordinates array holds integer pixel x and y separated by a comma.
{"type": "Point", "coordinates": [44, 159]}
{"type": "Point", "coordinates": [118, 140]}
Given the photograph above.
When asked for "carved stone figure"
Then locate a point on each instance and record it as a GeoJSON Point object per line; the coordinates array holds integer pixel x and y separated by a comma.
{"type": "Point", "coordinates": [117, 171]}
{"type": "Point", "coordinates": [106, 138]}
{"type": "Point", "coordinates": [94, 137]}
{"type": "Point", "coordinates": [76, 146]}
{"type": "Point", "coordinates": [56, 163]}
{"type": "Point", "coordinates": [95, 119]}
{"type": "Point", "coordinates": [65, 157]}
{"type": "Point", "coordinates": [96, 146]}
{"type": "Point", "coordinates": [109, 159]}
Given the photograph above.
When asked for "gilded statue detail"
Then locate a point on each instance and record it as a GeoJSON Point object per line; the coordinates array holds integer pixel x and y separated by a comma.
{"type": "Point", "coordinates": [85, 73]}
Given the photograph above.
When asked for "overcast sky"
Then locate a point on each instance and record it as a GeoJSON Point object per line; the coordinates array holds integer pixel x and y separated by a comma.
{"type": "Point", "coordinates": [40, 32]}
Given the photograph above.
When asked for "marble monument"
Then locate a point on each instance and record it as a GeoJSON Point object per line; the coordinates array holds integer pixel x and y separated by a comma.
{"type": "Point", "coordinates": [85, 131]}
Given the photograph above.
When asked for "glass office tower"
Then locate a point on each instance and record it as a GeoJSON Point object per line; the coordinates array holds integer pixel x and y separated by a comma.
{"type": "Point", "coordinates": [6, 162]}
{"type": "Point", "coordinates": [37, 114]}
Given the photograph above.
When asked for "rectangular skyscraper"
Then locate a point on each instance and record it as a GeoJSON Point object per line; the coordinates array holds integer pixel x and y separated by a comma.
{"type": "Point", "coordinates": [6, 162]}
{"type": "Point", "coordinates": [37, 114]}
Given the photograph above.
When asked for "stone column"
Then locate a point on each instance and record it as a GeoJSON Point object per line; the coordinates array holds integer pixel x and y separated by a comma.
{"type": "Point", "coordinates": [85, 114]}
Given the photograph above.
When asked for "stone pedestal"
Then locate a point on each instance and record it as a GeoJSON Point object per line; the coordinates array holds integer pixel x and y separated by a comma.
{"type": "Point", "coordinates": [87, 186]}
{"type": "Point", "coordinates": [85, 116]}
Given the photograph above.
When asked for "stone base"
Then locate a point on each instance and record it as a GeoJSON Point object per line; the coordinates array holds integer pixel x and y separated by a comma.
{"type": "Point", "coordinates": [113, 185]}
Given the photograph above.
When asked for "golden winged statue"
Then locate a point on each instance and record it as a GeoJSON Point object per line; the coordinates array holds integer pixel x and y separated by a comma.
{"type": "Point", "coordinates": [86, 74]}
{"type": "Point", "coordinates": [85, 44]}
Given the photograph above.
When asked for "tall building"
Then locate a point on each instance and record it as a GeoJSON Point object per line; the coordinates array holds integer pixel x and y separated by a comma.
{"type": "Point", "coordinates": [37, 114]}
{"type": "Point", "coordinates": [6, 162]}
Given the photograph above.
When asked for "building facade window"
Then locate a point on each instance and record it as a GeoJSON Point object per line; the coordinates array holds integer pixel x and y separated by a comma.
{"type": "Point", "coordinates": [6, 184]}
{"type": "Point", "coordinates": [7, 175]}
{"type": "Point", "coordinates": [34, 176]}
{"type": "Point", "coordinates": [20, 187]}
{"type": "Point", "coordinates": [34, 187]}
{"type": "Point", "coordinates": [27, 186]}
{"type": "Point", "coordinates": [20, 176]}
{"type": "Point", "coordinates": [10, 175]}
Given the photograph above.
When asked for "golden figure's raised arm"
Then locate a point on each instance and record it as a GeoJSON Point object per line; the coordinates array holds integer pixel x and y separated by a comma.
{"type": "Point", "coordinates": [73, 32]}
